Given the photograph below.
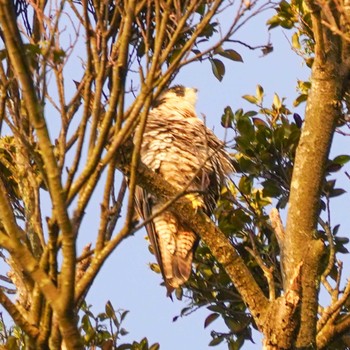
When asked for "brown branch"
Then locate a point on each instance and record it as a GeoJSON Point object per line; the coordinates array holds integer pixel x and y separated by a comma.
{"type": "Point", "coordinates": [19, 252]}
{"type": "Point", "coordinates": [323, 110]}
{"type": "Point", "coordinates": [118, 77]}
{"type": "Point", "coordinates": [188, 45]}
{"type": "Point", "coordinates": [332, 331]}
{"type": "Point", "coordinates": [31, 330]}
{"type": "Point", "coordinates": [105, 207]}
{"type": "Point", "coordinates": [79, 134]}
{"type": "Point", "coordinates": [331, 259]}
{"type": "Point", "coordinates": [16, 52]}
{"type": "Point", "coordinates": [280, 323]}
{"type": "Point", "coordinates": [268, 271]}
{"type": "Point", "coordinates": [331, 312]}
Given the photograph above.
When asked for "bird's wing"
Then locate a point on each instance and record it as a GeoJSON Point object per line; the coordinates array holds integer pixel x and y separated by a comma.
{"type": "Point", "coordinates": [143, 205]}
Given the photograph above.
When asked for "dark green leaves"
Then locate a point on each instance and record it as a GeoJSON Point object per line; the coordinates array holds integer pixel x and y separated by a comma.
{"type": "Point", "coordinates": [231, 55]}
{"type": "Point", "coordinates": [105, 330]}
{"type": "Point", "coordinates": [265, 142]}
{"type": "Point", "coordinates": [218, 68]}
{"type": "Point", "coordinates": [227, 117]}
{"type": "Point", "coordinates": [342, 159]}
{"type": "Point", "coordinates": [285, 17]}
{"type": "Point", "coordinates": [211, 318]}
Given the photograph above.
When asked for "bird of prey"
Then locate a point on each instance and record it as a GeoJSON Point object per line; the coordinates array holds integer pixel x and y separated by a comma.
{"type": "Point", "coordinates": [177, 145]}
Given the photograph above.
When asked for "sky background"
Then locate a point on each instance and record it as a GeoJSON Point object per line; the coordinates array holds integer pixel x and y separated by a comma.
{"type": "Point", "coordinates": [125, 278]}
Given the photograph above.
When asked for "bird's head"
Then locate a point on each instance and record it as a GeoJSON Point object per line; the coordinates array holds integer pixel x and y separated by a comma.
{"type": "Point", "coordinates": [178, 94]}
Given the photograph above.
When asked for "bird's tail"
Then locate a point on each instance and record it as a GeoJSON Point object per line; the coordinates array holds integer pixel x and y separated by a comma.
{"type": "Point", "coordinates": [181, 260]}
{"type": "Point", "coordinates": [174, 249]}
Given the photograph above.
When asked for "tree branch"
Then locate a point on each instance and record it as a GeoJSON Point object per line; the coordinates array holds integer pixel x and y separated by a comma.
{"type": "Point", "coordinates": [31, 330]}
{"type": "Point", "coordinates": [16, 52]}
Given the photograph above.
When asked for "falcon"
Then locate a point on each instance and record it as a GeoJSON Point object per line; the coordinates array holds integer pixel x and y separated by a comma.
{"type": "Point", "coordinates": [177, 145]}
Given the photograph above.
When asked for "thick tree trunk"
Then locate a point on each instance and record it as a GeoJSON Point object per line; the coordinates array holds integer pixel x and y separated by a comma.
{"type": "Point", "coordinates": [301, 243]}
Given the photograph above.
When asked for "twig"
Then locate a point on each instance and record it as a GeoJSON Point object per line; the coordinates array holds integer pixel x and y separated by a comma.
{"type": "Point", "coordinates": [268, 271]}
{"type": "Point", "coordinates": [332, 311]}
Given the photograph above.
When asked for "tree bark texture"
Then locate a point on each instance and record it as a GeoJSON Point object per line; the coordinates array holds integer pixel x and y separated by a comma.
{"type": "Point", "coordinates": [323, 109]}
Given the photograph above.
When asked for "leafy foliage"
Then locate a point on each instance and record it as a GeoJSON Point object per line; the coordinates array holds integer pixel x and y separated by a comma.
{"type": "Point", "coordinates": [105, 330]}
{"type": "Point", "coordinates": [265, 143]}
{"type": "Point", "coordinates": [102, 331]}
{"type": "Point", "coordinates": [11, 338]}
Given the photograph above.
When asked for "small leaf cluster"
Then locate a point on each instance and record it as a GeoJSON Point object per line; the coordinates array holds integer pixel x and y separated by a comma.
{"type": "Point", "coordinates": [265, 144]}
{"type": "Point", "coordinates": [105, 330]}
{"type": "Point", "coordinates": [217, 66]}
{"type": "Point", "coordinates": [11, 338]}
{"type": "Point", "coordinates": [296, 15]}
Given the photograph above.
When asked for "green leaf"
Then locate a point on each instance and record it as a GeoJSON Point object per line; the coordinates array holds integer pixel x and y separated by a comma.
{"type": "Point", "coordinates": [216, 341]}
{"type": "Point", "coordinates": [333, 167]}
{"type": "Point", "coordinates": [238, 113]}
{"type": "Point", "coordinates": [155, 267]}
{"type": "Point", "coordinates": [231, 55]}
{"type": "Point", "coordinates": [211, 318]}
{"type": "Point", "coordinates": [243, 144]}
{"type": "Point", "coordinates": [232, 324]}
{"type": "Point", "coordinates": [342, 240]}
{"type": "Point", "coordinates": [201, 9]}
{"type": "Point", "coordinates": [144, 343]}
{"type": "Point", "coordinates": [85, 323]}
{"type": "Point", "coordinates": [300, 99]}
{"type": "Point", "coordinates": [251, 99]}
{"type": "Point", "coordinates": [227, 117]}
{"type": "Point", "coordinates": [109, 309]}
{"type": "Point", "coordinates": [59, 56]}
{"type": "Point", "coordinates": [286, 7]}
{"type": "Point", "coordinates": [123, 331]}
{"type": "Point", "coordinates": [342, 159]}
{"type": "Point", "coordinates": [218, 68]}
{"type": "Point", "coordinates": [287, 24]}
{"type": "Point", "coordinates": [336, 192]}
{"type": "Point", "coordinates": [32, 49]}
{"type": "Point", "coordinates": [246, 128]}
{"type": "Point", "coordinates": [259, 122]}
{"type": "Point", "coordinates": [271, 188]}
{"type": "Point", "coordinates": [304, 86]}
{"type": "Point", "coordinates": [123, 315]}
{"type": "Point", "coordinates": [179, 293]}
{"type": "Point", "coordinates": [259, 93]}
{"type": "Point", "coordinates": [246, 165]}
{"type": "Point", "coordinates": [277, 103]}
{"type": "Point", "coordinates": [250, 114]}
{"type": "Point", "coordinates": [175, 53]}
{"type": "Point", "coordinates": [335, 229]}
{"type": "Point", "coordinates": [295, 41]}
{"type": "Point", "coordinates": [245, 185]}
{"type": "Point", "coordinates": [274, 22]}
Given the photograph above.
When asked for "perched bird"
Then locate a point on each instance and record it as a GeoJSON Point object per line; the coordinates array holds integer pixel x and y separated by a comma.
{"type": "Point", "coordinates": [177, 145]}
